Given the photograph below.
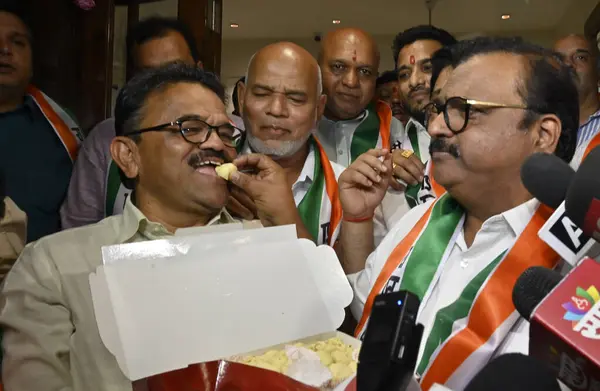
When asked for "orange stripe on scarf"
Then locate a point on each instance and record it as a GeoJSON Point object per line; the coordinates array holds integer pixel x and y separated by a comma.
{"type": "Point", "coordinates": [494, 304]}
{"type": "Point", "coordinates": [331, 186]}
{"type": "Point", "coordinates": [62, 129]}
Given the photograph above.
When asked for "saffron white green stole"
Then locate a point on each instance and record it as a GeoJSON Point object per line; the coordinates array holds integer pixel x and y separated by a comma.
{"type": "Point", "coordinates": [469, 328]}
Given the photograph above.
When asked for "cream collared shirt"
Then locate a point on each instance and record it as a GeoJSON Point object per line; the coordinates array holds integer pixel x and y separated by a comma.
{"type": "Point", "coordinates": [464, 263]}
{"type": "Point", "coordinates": [51, 340]}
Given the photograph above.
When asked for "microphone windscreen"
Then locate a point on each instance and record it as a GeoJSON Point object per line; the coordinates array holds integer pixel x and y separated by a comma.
{"type": "Point", "coordinates": [547, 177]}
{"type": "Point", "coordinates": [531, 287]}
{"type": "Point", "coordinates": [514, 372]}
{"type": "Point", "coordinates": [584, 189]}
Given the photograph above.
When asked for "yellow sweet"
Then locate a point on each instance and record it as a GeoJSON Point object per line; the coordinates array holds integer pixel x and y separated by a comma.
{"type": "Point", "coordinates": [333, 353]}
{"type": "Point", "coordinates": [225, 170]}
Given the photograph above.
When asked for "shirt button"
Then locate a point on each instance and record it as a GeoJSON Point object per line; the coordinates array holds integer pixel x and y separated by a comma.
{"type": "Point", "coordinates": [340, 152]}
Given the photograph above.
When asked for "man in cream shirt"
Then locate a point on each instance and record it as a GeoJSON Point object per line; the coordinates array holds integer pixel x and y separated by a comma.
{"type": "Point", "coordinates": [281, 102]}
{"type": "Point", "coordinates": [462, 253]}
{"type": "Point", "coordinates": [172, 131]}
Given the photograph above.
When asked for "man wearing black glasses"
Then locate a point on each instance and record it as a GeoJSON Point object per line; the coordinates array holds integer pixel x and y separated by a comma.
{"type": "Point", "coordinates": [172, 131]}
{"type": "Point", "coordinates": [503, 100]}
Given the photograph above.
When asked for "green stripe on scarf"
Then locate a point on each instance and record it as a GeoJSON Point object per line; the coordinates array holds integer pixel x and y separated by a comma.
{"type": "Point", "coordinates": [412, 191]}
{"type": "Point", "coordinates": [429, 249]}
{"type": "Point", "coordinates": [446, 317]}
{"type": "Point", "coordinates": [310, 206]}
{"type": "Point", "coordinates": [113, 184]}
{"type": "Point", "coordinates": [366, 134]}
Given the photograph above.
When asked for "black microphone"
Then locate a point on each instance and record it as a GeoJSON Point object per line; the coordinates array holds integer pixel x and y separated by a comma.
{"type": "Point", "coordinates": [547, 177]}
{"type": "Point", "coordinates": [582, 203]}
{"type": "Point", "coordinates": [390, 346]}
{"type": "Point", "coordinates": [532, 287]}
{"type": "Point", "coordinates": [514, 372]}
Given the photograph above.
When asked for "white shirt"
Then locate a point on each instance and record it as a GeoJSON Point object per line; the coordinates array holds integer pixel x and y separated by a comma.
{"type": "Point", "coordinates": [497, 234]}
{"type": "Point", "coordinates": [336, 136]}
{"type": "Point", "coordinates": [589, 129]}
{"type": "Point", "coordinates": [306, 178]}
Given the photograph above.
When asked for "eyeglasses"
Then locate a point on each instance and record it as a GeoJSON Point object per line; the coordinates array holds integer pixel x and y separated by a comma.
{"type": "Point", "coordinates": [195, 131]}
{"type": "Point", "coordinates": [457, 111]}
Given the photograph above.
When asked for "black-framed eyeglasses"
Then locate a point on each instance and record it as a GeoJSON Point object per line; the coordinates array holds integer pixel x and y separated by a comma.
{"type": "Point", "coordinates": [457, 111]}
{"type": "Point", "coordinates": [195, 131]}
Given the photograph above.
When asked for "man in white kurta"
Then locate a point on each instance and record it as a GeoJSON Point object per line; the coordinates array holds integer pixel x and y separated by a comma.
{"type": "Point", "coordinates": [280, 103]}
{"type": "Point", "coordinates": [461, 254]}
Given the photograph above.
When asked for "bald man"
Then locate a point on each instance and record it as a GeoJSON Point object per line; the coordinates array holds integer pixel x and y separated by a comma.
{"type": "Point", "coordinates": [280, 104]}
{"type": "Point", "coordinates": [582, 55]}
{"type": "Point", "coordinates": [353, 124]}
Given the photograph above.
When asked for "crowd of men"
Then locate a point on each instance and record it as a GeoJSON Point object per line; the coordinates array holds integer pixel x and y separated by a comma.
{"type": "Point", "coordinates": [411, 175]}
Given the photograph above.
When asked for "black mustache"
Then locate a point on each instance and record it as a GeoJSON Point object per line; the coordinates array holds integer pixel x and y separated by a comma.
{"type": "Point", "coordinates": [440, 145]}
{"type": "Point", "coordinates": [195, 160]}
{"type": "Point", "coordinates": [417, 89]}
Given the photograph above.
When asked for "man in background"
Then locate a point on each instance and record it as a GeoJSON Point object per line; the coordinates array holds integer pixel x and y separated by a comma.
{"type": "Point", "coordinates": [235, 114]}
{"type": "Point", "coordinates": [281, 103]}
{"type": "Point", "coordinates": [387, 90]}
{"type": "Point", "coordinates": [353, 123]}
{"type": "Point", "coordinates": [581, 54]}
{"type": "Point", "coordinates": [96, 190]}
{"type": "Point", "coordinates": [39, 140]}
{"type": "Point", "coordinates": [413, 50]}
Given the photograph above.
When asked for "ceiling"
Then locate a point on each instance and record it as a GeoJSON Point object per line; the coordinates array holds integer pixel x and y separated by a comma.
{"type": "Point", "coordinates": [304, 18]}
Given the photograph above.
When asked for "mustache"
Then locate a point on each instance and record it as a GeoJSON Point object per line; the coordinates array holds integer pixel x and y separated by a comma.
{"type": "Point", "coordinates": [419, 88]}
{"type": "Point", "coordinates": [440, 145]}
{"type": "Point", "coordinates": [196, 160]}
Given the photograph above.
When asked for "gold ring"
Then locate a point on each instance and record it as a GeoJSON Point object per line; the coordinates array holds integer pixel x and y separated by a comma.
{"type": "Point", "coordinates": [394, 165]}
{"type": "Point", "coordinates": [407, 153]}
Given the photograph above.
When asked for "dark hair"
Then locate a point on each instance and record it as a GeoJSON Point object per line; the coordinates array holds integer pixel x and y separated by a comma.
{"type": "Point", "coordinates": [234, 96]}
{"type": "Point", "coordinates": [386, 77]}
{"type": "Point", "coordinates": [547, 87]}
{"type": "Point", "coordinates": [132, 97]}
{"type": "Point", "coordinates": [158, 27]}
{"type": "Point", "coordinates": [440, 60]}
{"type": "Point", "coordinates": [16, 8]}
{"type": "Point", "coordinates": [420, 33]}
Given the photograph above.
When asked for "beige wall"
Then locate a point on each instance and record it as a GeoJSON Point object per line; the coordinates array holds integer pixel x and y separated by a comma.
{"type": "Point", "coordinates": [237, 53]}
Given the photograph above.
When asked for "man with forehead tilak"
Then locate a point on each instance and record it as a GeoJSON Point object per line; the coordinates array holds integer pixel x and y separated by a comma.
{"type": "Point", "coordinates": [414, 49]}
{"type": "Point", "coordinates": [281, 103]}
{"type": "Point", "coordinates": [462, 252]}
{"type": "Point", "coordinates": [353, 124]}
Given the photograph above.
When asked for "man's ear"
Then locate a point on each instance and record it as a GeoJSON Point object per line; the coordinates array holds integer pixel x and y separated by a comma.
{"type": "Point", "coordinates": [124, 152]}
{"type": "Point", "coordinates": [322, 102]}
{"type": "Point", "coordinates": [241, 93]}
{"type": "Point", "coordinates": [548, 133]}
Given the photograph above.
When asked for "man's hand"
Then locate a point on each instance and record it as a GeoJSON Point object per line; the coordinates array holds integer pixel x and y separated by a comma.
{"type": "Point", "coordinates": [364, 183]}
{"type": "Point", "coordinates": [410, 169]}
{"type": "Point", "coordinates": [241, 205]}
{"type": "Point", "coordinates": [267, 188]}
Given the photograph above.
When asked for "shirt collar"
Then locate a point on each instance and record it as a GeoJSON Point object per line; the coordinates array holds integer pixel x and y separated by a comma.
{"type": "Point", "coordinates": [415, 123]}
{"type": "Point", "coordinates": [591, 118]}
{"type": "Point", "coordinates": [358, 119]}
{"type": "Point", "coordinates": [133, 221]}
{"type": "Point", "coordinates": [519, 216]}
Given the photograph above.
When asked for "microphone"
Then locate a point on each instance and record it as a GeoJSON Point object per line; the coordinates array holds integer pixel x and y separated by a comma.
{"type": "Point", "coordinates": [564, 317]}
{"type": "Point", "coordinates": [388, 355]}
{"type": "Point", "coordinates": [514, 372]}
{"type": "Point", "coordinates": [548, 178]}
{"type": "Point", "coordinates": [583, 198]}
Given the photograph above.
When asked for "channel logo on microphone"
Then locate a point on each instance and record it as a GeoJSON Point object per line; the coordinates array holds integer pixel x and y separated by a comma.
{"type": "Point", "coordinates": [583, 311]}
